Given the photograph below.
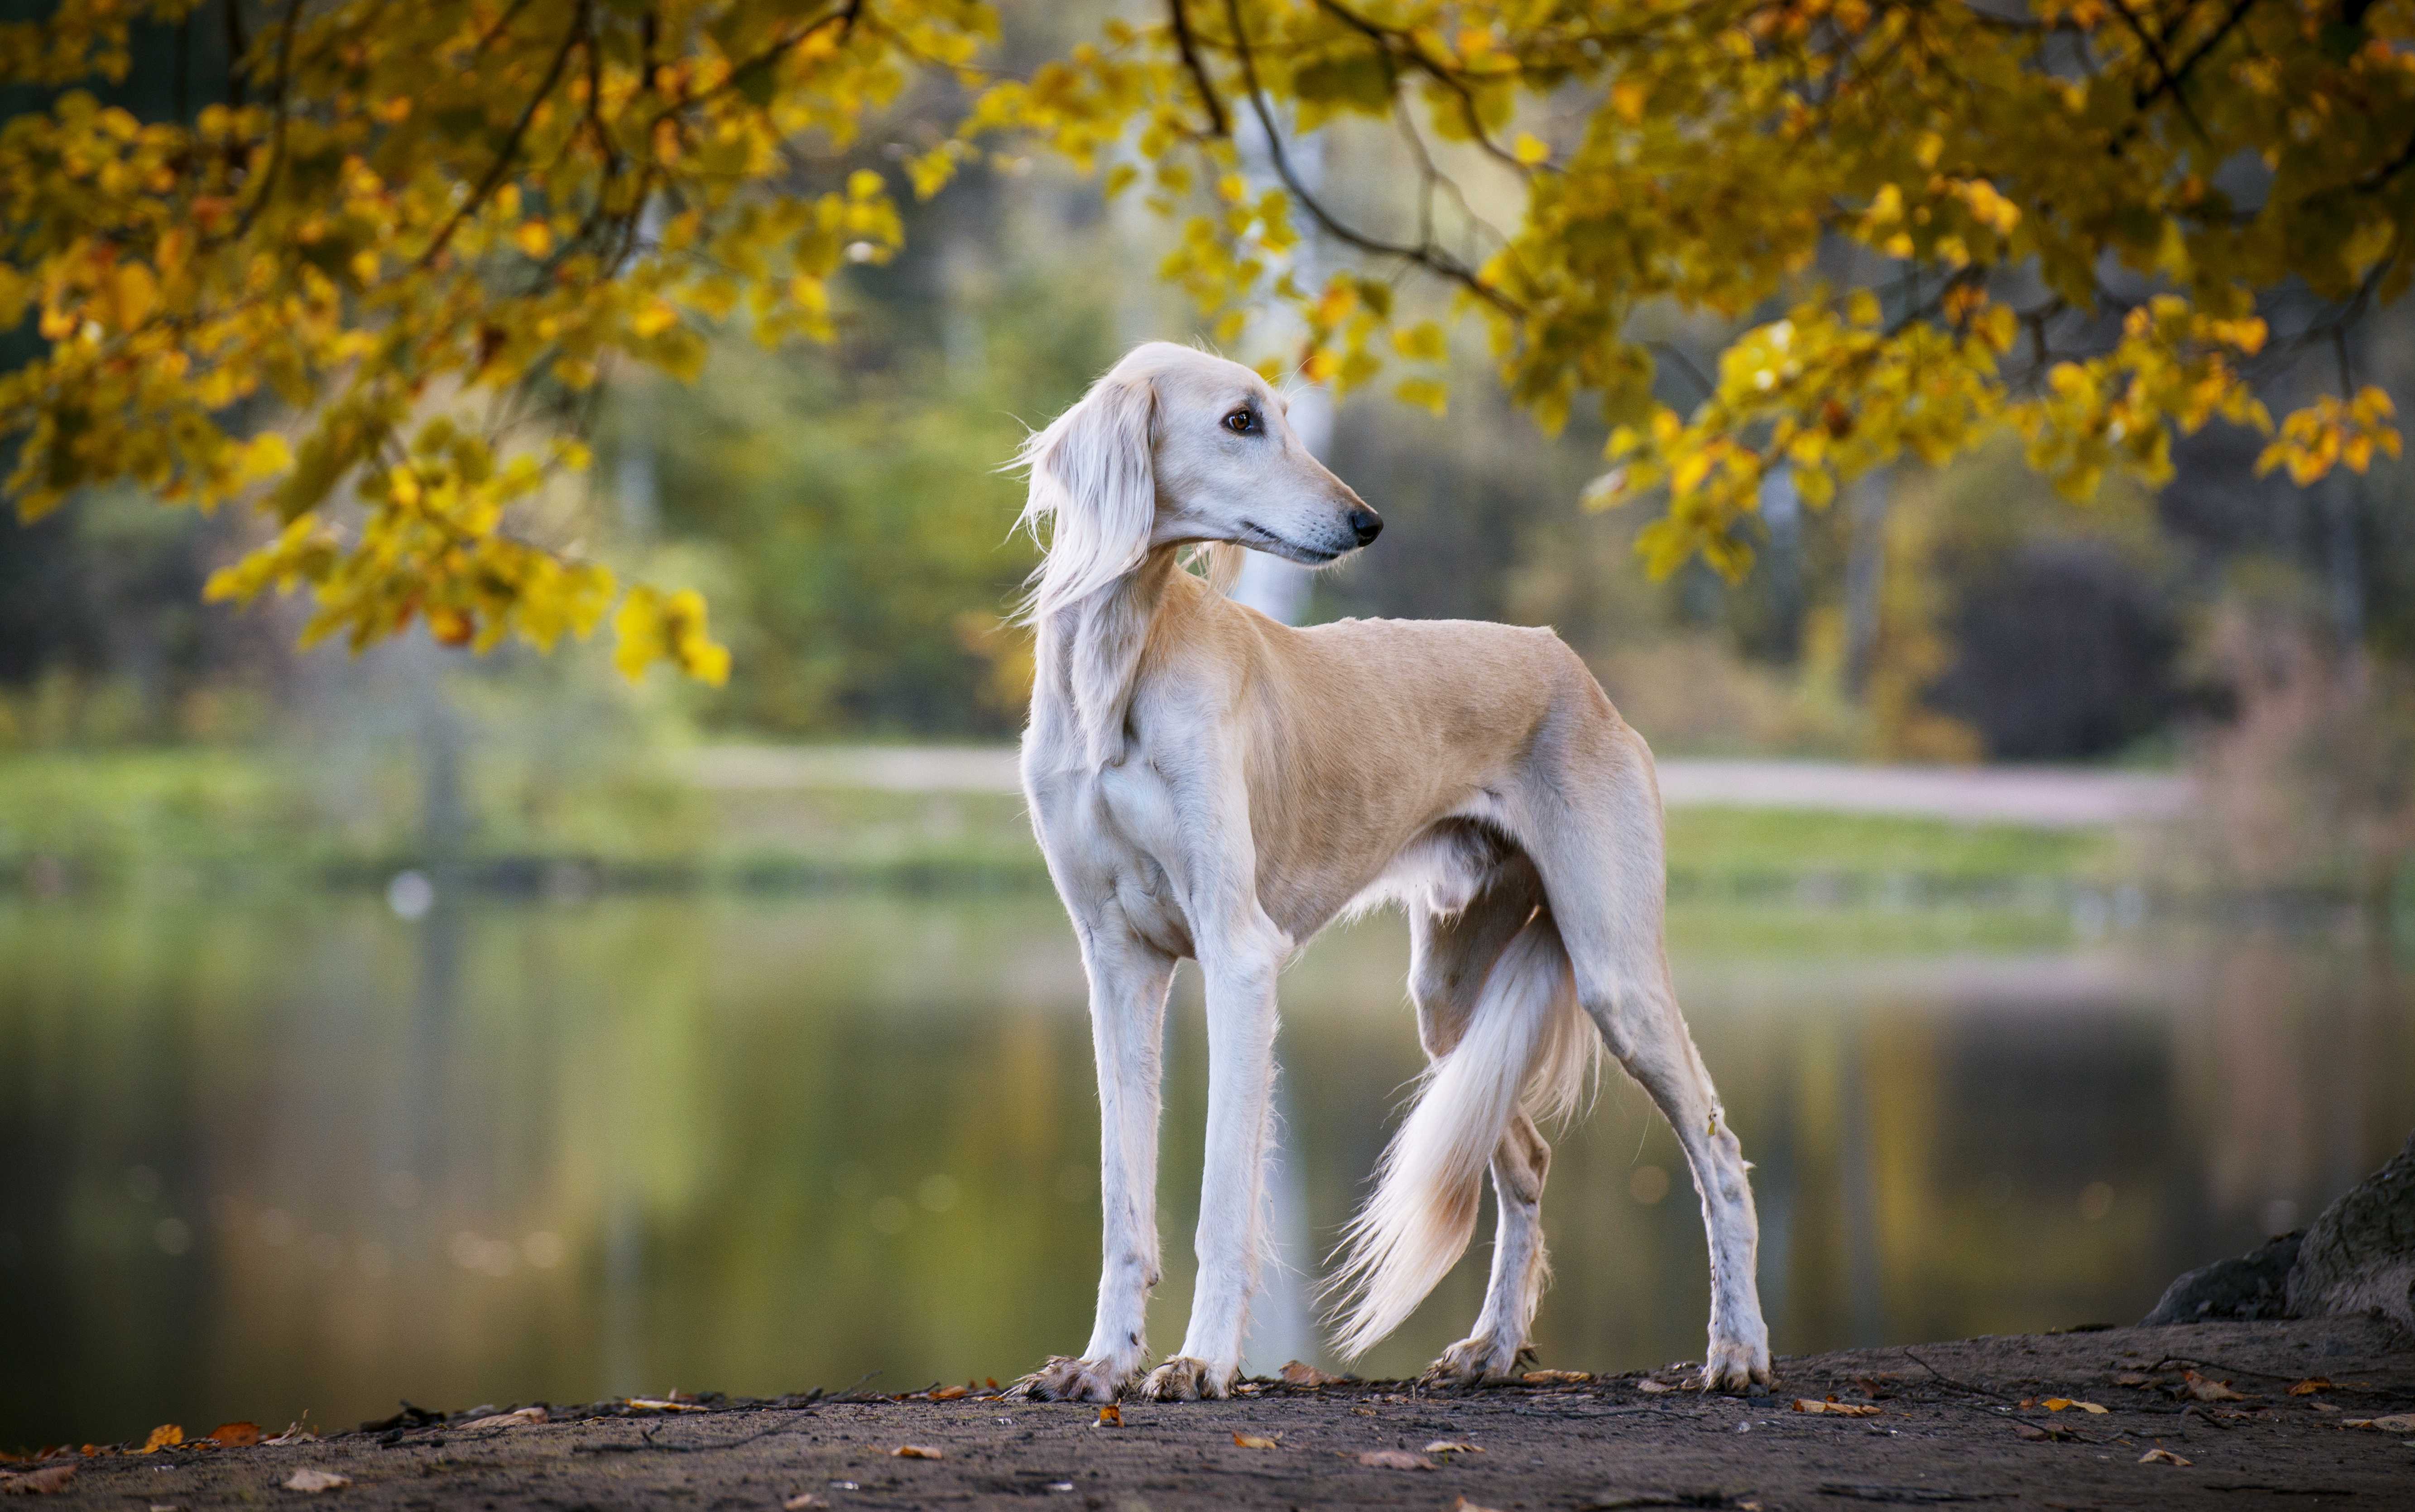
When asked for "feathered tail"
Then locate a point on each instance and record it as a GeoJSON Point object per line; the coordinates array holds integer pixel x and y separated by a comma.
{"type": "Point", "coordinates": [1526, 1041]}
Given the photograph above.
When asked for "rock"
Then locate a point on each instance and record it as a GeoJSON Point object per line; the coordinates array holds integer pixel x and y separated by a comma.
{"type": "Point", "coordinates": [2249, 1289]}
{"type": "Point", "coordinates": [2359, 1255]}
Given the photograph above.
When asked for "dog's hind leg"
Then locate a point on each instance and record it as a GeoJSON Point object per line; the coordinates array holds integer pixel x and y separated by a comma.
{"type": "Point", "coordinates": [1596, 837]}
{"type": "Point", "coordinates": [1128, 986]}
{"type": "Point", "coordinates": [1519, 1268]}
{"type": "Point", "coordinates": [1450, 955]}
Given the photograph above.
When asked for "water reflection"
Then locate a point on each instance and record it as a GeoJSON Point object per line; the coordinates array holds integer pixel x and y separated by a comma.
{"type": "Point", "coordinates": [264, 1158]}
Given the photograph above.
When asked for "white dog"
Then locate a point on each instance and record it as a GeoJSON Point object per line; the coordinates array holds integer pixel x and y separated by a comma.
{"type": "Point", "coordinates": [1208, 783]}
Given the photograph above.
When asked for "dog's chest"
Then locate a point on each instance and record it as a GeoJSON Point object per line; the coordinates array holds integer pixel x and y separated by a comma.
{"type": "Point", "coordinates": [1115, 837]}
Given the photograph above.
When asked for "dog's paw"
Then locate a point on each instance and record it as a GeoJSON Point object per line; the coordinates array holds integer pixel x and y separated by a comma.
{"type": "Point", "coordinates": [1472, 1362]}
{"type": "Point", "coordinates": [1736, 1365]}
{"type": "Point", "coordinates": [1183, 1379]}
{"type": "Point", "coordinates": [1066, 1379]}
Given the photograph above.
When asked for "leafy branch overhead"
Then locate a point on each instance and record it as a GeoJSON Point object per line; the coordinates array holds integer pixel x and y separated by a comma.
{"type": "Point", "coordinates": [2096, 223]}
{"type": "Point", "coordinates": [372, 279]}
{"type": "Point", "coordinates": [399, 229]}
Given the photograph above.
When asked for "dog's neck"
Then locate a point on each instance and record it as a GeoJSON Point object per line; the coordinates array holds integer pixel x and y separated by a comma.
{"type": "Point", "coordinates": [1090, 655]}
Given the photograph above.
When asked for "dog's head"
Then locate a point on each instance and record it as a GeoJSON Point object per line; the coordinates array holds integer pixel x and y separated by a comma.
{"type": "Point", "coordinates": [1175, 446]}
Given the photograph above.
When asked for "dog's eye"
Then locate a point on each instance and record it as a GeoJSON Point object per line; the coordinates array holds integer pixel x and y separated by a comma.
{"type": "Point", "coordinates": [1240, 422]}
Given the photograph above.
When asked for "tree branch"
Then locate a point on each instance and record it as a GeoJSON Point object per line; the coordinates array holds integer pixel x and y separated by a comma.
{"type": "Point", "coordinates": [276, 102]}
{"type": "Point", "coordinates": [2163, 68]}
{"type": "Point", "coordinates": [1217, 123]}
{"type": "Point", "coordinates": [237, 45]}
{"type": "Point", "coordinates": [1385, 39]}
{"type": "Point", "coordinates": [1425, 255]}
{"type": "Point", "coordinates": [511, 149]}
{"type": "Point", "coordinates": [844, 18]}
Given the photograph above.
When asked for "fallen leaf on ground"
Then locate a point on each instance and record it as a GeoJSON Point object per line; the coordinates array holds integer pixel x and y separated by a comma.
{"type": "Point", "coordinates": [2324, 1406]}
{"type": "Point", "coordinates": [2132, 1378]}
{"type": "Point", "coordinates": [40, 1482]}
{"type": "Point", "coordinates": [2205, 1390]}
{"type": "Point", "coordinates": [1453, 1446]}
{"type": "Point", "coordinates": [294, 1433]}
{"type": "Point", "coordinates": [2400, 1423]}
{"type": "Point", "coordinates": [1394, 1459]}
{"type": "Point", "coordinates": [1463, 1505]}
{"type": "Point", "coordinates": [665, 1404]}
{"type": "Point", "coordinates": [1842, 1408]}
{"type": "Point", "coordinates": [236, 1435]}
{"type": "Point", "coordinates": [518, 1417]}
{"type": "Point", "coordinates": [916, 1451]}
{"type": "Point", "coordinates": [166, 1436]}
{"type": "Point", "coordinates": [316, 1480]}
{"type": "Point", "coordinates": [2056, 1404]}
{"type": "Point", "coordinates": [947, 1393]}
{"type": "Point", "coordinates": [1650, 1386]}
{"type": "Point", "coordinates": [1555, 1378]}
{"type": "Point", "coordinates": [802, 1502]}
{"type": "Point", "coordinates": [2041, 1432]}
{"type": "Point", "coordinates": [2309, 1386]}
{"type": "Point", "coordinates": [2163, 1456]}
{"type": "Point", "coordinates": [1256, 1441]}
{"type": "Point", "coordinates": [1301, 1373]}
{"type": "Point", "coordinates": [1110, 1415]}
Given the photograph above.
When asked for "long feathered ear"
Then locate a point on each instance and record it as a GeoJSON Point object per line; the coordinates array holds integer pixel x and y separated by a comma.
{"type": "Point", "coordinates": [1094, 482]}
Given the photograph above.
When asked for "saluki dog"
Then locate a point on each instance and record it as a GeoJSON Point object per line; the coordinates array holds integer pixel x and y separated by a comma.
{"type": "Point", "coordinates": [1208, 783]}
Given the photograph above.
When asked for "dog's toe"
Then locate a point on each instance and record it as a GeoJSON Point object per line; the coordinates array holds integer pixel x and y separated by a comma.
{"type": "Point", "coordinates": [1182, 1379]}
{"type": "Point", "coordinates": [1065, 1378]}
{"type": "Point", "coordinates": [1472, 1362]}
{"type": "Point", "coordinates": [1736, 1367]}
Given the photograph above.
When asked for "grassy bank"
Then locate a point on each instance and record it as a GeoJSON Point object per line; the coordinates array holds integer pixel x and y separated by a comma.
{"type": "Point", "coordinates": [176, 818]}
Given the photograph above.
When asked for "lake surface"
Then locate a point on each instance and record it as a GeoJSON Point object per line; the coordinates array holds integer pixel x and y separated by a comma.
{"type": "Point", "coordinates": [268, 1158]}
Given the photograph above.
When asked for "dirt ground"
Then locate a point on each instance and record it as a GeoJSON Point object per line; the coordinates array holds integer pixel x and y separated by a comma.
{"type": "Point", "coordinates": [1965, 1422]}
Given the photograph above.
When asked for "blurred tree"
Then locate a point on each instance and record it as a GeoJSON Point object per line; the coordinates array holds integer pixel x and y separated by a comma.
{"type": "Point", "coordinates": [2097, 223]}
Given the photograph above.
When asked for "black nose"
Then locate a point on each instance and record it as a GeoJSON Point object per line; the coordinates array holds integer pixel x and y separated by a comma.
{"type": "Point", "coordinates": [1366, 524]}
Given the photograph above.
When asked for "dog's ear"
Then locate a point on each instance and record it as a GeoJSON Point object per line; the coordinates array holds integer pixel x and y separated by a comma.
{"type": "Point", "coordinates": [1094, 481]}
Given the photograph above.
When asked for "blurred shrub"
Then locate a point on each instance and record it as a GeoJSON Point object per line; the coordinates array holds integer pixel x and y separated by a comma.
{"type": "Point", "coordinates": [2309, 785]}
{"type": "Point", "coordinates": [851, 495]}
{"type": "Point", "coordinates": [2017, 627]}
{"type": "Point", "coordinates": [1691, 692]}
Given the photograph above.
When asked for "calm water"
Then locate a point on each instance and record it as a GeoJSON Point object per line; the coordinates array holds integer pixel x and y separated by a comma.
{"type": "Point", "coordinates": [263, 1159]}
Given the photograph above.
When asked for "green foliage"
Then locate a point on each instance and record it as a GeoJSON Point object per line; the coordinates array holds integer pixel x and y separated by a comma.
{"type": "Point", "coordinates": [863, 536]}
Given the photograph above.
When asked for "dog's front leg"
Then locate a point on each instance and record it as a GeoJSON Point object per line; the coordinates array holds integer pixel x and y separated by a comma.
{"type": "Point", "coordinates": [1231, 1207]}
{"type": "Point", "coordinates": [1128, 986]}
